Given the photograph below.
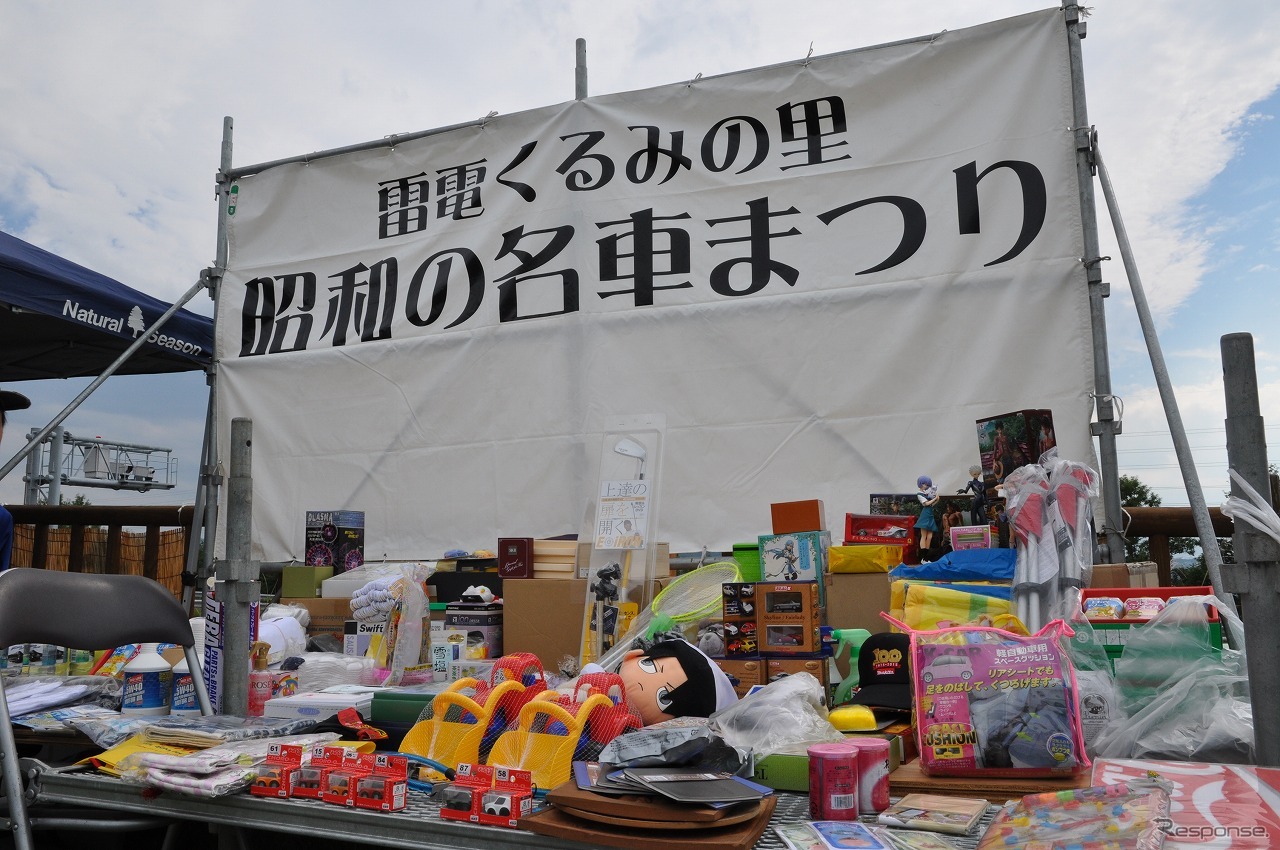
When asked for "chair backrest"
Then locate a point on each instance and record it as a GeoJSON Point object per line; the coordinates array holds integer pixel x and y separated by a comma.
{"type": "Point", "coordinates": [88, 610]}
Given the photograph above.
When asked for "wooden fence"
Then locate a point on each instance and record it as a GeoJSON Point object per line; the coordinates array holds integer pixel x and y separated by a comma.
{"type": "Point", "coordinates": [138, 540]}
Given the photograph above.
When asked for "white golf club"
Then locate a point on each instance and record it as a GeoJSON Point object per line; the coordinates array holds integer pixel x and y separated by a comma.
{"type": "Point", "coordinates": [631, 448]}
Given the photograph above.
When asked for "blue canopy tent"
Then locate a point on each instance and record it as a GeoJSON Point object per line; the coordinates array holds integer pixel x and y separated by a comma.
{"type": "Point", "coordinates": [62, 320]}
{"type": "Point", "coordinates": [59, 319]}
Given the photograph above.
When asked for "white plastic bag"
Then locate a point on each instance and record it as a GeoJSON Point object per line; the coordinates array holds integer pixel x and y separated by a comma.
{"type": "Point", "coordinates": [791, 710]}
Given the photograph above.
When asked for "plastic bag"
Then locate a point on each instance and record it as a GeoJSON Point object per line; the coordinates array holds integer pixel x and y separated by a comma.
{"type": "Point", "coordinates": [791, 710]}
{"type": "Point", "coordinates": [989, 702]}
{"type": "Point", "coordinates": [407, 643]}
{"type": "Point", "coordinates": [1185, 699]}
{"type": "Point", "coordinates": [1134, 814]}
{"type": "Point", "coordinates": [1099, 699]}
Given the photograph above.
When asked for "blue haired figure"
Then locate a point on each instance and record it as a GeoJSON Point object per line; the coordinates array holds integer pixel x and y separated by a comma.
{"type": "Point", "coordinates": [928, 521]}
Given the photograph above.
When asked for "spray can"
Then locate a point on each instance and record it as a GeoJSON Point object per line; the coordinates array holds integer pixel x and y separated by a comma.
{"type": "Point", "coordinates": [260, 680]}
{"type": "Point", "coordinates": [147, 683]}
{"type": "Point", "coordinates": [833, 782]}
{"type": "Point", "coordinates": [184, 702]}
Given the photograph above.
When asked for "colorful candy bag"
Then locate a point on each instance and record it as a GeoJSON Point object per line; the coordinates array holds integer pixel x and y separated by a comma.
{"type": "Point", "coordinates": [1125, 816]}
{"type": "Point", "coordinates": [989, 702]}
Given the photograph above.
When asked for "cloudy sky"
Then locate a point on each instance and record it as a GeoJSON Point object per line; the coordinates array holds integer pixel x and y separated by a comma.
{"type": "Point", "coordinates": [112, 134]}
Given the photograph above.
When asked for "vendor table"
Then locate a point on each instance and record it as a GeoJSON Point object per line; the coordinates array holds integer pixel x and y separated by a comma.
{"type": "Point", "coordinates": [419, 825]}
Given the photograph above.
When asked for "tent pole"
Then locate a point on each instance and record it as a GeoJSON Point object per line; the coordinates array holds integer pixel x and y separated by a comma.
{"type": "Point", "coordinates": [97, 382]}
{"type": "Point", "coordinates": [191, 571]}
{"type": "Point", "coordinates": [1199, 510]}
{"type": "Point", "coordinates": [210, 469]}
{"type": "Point", "coordinates": [1106, 428]}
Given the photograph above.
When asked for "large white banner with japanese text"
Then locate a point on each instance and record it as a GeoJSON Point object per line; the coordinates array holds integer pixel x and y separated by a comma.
{"type": "Point", "coordinates": [819, 273]}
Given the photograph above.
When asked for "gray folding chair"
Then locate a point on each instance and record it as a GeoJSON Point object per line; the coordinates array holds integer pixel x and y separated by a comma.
{"type": "Point", "coordinates": [85, 611]}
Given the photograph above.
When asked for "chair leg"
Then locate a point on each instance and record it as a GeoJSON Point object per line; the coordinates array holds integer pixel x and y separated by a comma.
{"type": "Point", "coordinates": [13, 789]}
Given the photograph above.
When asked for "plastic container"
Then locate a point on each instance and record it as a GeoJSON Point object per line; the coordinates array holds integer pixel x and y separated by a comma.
{"type": "Point", "coordinates": [873, 774]}
{"type": "Point", "coordinates": [260, 680]}
{"type": "Point", "coordinates": [183, 702]}
{"type": "Point", "coordinates": [148, 684]}
{"type": "Point", "coordinates": [833, 781]}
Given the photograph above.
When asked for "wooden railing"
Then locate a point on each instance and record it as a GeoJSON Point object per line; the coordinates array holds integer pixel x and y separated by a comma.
{"type": "Point", "coordinates": [1159, 524]}
{"type": "Point", "coordinates": [97, 539]}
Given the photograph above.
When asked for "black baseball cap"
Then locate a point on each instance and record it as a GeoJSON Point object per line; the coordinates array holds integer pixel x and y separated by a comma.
{"type": "Point", "coordinates": [884, 675]}
{"type": "Point", "coordinates": [13, 401]}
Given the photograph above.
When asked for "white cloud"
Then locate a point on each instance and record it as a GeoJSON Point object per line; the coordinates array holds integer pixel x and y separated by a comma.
{"type": "Point", "coordinates": [114, 112]}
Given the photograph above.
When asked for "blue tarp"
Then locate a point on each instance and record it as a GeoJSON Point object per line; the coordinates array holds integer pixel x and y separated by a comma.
{"type": "Point", "coordinates": [62, 320]}
{"type": "Point", "coordinates": [964, 565]}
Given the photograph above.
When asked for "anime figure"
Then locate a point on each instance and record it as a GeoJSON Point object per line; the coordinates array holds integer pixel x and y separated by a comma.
{"type": "Point", "coordinates": [789, 560]}
{"type": "Point", "coordinates": [978, 507]}
{"type": "Point", "coordinates": [951, 518]}
{"type": "Point", "coordinates": [672, 678]}
{"type": "Point", "coordinates": [928, 521]}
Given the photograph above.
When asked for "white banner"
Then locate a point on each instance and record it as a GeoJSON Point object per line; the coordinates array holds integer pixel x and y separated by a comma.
{"type": "Point", "coordinates": [821, 274]}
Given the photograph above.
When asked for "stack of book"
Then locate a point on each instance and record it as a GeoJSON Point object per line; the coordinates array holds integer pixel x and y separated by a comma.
{"type": "Point", "coordinates": [554, 558]}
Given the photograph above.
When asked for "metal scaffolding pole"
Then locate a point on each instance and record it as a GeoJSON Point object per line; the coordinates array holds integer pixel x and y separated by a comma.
{"type": "Point", "coordinates": [1256, 573]}
{"type": "Point", "coordinates": [237, 588]}
{"type": "Point", "coordinates": [1107, 427]}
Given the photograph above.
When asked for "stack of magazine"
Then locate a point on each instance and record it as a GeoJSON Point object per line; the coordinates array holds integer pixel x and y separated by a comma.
{"type": "Point", "coordinates": [915, 822]}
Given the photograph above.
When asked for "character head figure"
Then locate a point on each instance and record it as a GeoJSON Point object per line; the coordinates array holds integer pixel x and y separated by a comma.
{"type": "Point", "coordinates": [975, 470]}
{"type": "Point", "coordinates": [925, 484]}
{"type": "Point", "coordinates": [673, 678]}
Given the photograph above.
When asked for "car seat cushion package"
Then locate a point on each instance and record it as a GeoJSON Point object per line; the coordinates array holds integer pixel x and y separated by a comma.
{"type": "Point", "coordinates": [993, 703]}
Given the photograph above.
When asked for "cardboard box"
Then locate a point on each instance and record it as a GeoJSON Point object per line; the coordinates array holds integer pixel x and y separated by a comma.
{"type": "Point", "coordinates": [792, 517]}
{"type": "Point", "coordinates": [303, 579]}
{"type": "Point", "coordinates": [776, 668]}
{"type": "Point", "coordinates": [970, 537]}
{"type": "Point", "coordinates": [335, 538]}
{"type": "Point", "coordinates": [896, 528]}
{"type": "Point", "coordinates": [855, 601]}
{"type": "Point", "coordinates": [661, 565]}
{"type": "Point", "coordinates": [1109, 575]}
{"type": "Point", "coordinates": [801, 556]}
{"type": "Point", "coordinates": [317, 706]}
{"type": "Point", "coordinates": [745, 673]}
{"type": "Point", "coordinates": [544, 616]}
{"type": "Point", "coordinates": [738, 613]}
{"type": "Point", "coordinates": [328, 616]}
{"type": "Point", "coordinates": [357, 636]}
{"type": "Point", "coordinates": [789, 616]}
